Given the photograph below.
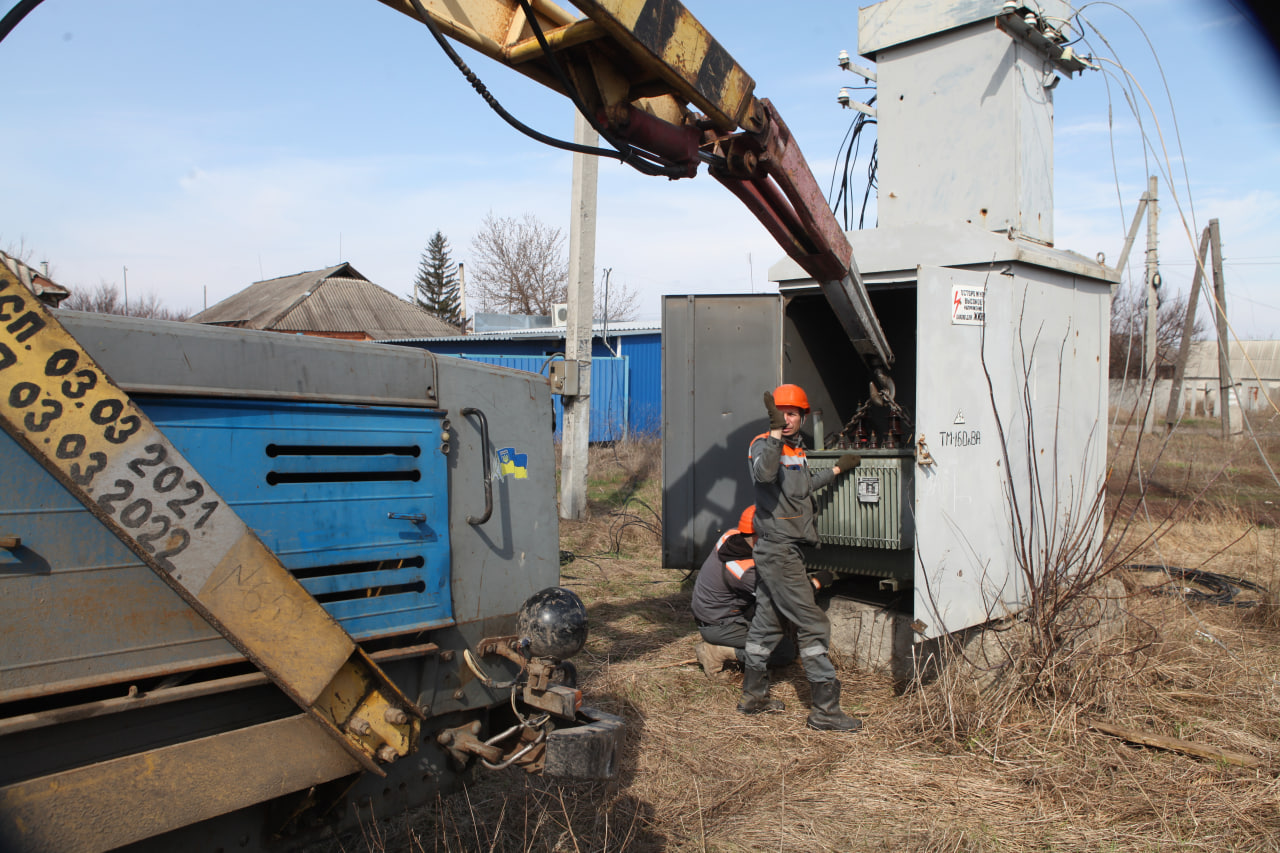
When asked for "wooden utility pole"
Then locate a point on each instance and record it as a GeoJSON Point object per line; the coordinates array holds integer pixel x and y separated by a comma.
{"type": "Point", "coordinates": [1184, 347]}
{"type": "Point", "coordinates": [1220, 317]}
{"type": "Point", "coordinates": [1132, 234]}
{"type": "Point", "coordinates": [1153, 322]}
{"type": "Point", "coordinates": [577, 342]}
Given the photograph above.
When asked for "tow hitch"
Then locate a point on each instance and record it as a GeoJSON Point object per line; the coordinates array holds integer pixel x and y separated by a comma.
{"type": "Point", "coordinates": [586, 748]}
{"type": "Point", "coordinates": [561, 738]}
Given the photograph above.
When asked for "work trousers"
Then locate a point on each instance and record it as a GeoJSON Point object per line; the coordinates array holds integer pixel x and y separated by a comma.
{"type": "Point", "coordinates": [732, 632]}
{"type": "Point", "coordinates": [783, 591]}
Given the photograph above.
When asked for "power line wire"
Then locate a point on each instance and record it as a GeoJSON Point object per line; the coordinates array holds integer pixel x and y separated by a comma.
{"type": "Point", "coordinates": [1164, 166]}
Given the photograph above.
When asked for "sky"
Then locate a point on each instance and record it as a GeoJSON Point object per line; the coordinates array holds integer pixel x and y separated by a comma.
{"type": "Point", "coordinates": [188, 150]}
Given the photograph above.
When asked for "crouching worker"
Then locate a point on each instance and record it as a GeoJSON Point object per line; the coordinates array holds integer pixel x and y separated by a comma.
{"type": "Point", "coordinates": [724, 600]}
{"type": "Point", "coordinates": [785, 486]}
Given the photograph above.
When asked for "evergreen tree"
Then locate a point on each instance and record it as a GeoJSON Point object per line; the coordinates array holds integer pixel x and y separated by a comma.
{"type": "Point", "coordinates": [435, 288]}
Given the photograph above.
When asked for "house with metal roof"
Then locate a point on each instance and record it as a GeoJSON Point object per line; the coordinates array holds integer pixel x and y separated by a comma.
{"type": "Point", "coordinates": [337, 302]}
{"type": "Point", "coordinates": [45, 289]}
{"type": "Point", "coordinates": [626, 365]}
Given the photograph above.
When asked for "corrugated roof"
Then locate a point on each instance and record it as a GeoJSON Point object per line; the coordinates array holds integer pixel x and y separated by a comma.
{"type": "Point", "coordinates": [262, 303]}
{"type": "Point", "coordinates": [337, 299]}
{"type": "Point", "coordinates": [1263, 361]}
{"type": "Point", "coordinates": [554, 333]}
{"type": "Point", "coordinates": [46, 290]}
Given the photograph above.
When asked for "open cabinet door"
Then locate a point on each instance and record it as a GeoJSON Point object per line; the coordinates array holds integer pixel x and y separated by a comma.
{"type": "Point", "coordinates": [720, 353]}
{"type": "Point", "coordinates": [965, 572]}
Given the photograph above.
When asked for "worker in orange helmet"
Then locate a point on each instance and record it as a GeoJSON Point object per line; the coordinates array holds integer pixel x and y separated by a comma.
{"type": "Point", "coordinates": [724, 600]}
{"type": "Point", "coordinates": [784, 521]}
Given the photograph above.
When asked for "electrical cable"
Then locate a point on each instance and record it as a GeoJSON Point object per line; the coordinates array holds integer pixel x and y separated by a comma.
{"type": "Point", "coordinates": [15, 15]}
{"type": "Point", "coordinates": [632, 156]}
{"type": "Point", "coordinates": [1202, 631]}
{"type": "Point", "coordinates": [1256, 302]}
{"type": "Point", "coordinates": [846, 160]}
{"type": "Point", "coordinates": [1218, 308]}
{"type": "Point", "coordinates": [493, 103]}
{"type": "Point", "coordinates": [550, 359]}
{"type": "Point", "coordinates": [1177, 131]}
{"type": "Point", "coordinates": [1249, 426]}
{"type": "Point", "coordinates": [484, 678]}
{"type": "Point", "coordinates": [1148, 144]}
{"type": "Point", "coordinates": [873, 167]}
{"type": "Point", "coordinates": [1111, 120]}
{"type": "Point", "coordinates": [516, 756]}
{"type": "Point", "coordinates": [497, 107]}
{"type": "Point", "coordinates": [1163, 566]}
{"type": "Point", "coordinates": [835, 167]}
{"type": "Point", "coordinates": [1222, 589]}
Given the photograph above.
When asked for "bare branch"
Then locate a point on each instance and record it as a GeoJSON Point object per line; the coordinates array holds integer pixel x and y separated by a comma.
{"type": "Point", "coordinates": [518, 266]}
{"type": "Point", "coordinates": [106, 299]}
{"type": "Point", "coordinates": [1129, 319]}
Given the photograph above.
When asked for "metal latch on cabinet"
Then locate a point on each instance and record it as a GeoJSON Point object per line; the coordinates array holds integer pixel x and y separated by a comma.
{"type": "Point", "coordinates": [923, 457]}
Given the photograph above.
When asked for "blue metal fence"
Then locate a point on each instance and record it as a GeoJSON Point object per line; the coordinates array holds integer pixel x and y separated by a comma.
{"type": "Point", "coordinates": [610, 392]}
{"type": "Point", "coordinates": [643, 352]}
{"type": "Point", "coordinates": [644, 376]}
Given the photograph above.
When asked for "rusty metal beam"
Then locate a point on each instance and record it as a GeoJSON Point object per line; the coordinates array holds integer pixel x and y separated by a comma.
{"type": "Point", "coordinates": [113, 803]}
{"type": "Point", "coordinates": [165, 695]}
{"type": "Point", "coordinates": [769, 174]}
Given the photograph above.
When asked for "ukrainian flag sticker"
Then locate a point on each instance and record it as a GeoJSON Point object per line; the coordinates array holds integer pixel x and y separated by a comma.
{"type": "Point", "coordinates": [515, 464]}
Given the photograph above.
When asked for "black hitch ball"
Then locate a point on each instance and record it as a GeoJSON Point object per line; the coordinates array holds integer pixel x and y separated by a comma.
{"type": "Point", "coordinates": [553, 624]}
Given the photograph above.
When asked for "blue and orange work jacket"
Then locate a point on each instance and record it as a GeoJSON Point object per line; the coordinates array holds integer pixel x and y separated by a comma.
{"type": "Point", "coordinates": [785, 485]}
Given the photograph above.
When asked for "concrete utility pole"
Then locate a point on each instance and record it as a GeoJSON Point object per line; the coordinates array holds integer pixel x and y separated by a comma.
{"type": "Point", "coordinates": [1153, 320]}
{"type": "Point", "coordinates": [462, 295]}
{"type": "Point", "coordinates": [577, 341]}
{"type": "Point", "coordinates": [1220, 316]}
{"type": "Point", "coordinates": [1172, 416]}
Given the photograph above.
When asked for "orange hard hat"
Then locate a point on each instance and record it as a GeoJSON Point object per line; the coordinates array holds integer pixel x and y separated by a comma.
{"type": "Point", "coordinates": [790, 395]}
{"type": "Point", "coordinates": [746, 524]}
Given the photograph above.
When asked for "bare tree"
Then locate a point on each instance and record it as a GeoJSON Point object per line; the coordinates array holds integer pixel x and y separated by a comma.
{"type": "Point", "coordinates": [1129, 319]}
{"type": "Point", "coordinates": [614, 300]}
{"type": "Point", "coordinates": [20, 251]}
{"type": "Point", "coordinates": [105, 299]}
{"type": "Point", "coordinates": [518, 266]}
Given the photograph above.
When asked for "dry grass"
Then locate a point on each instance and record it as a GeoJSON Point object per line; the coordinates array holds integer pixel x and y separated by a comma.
{"type": "Point", "coordinates": [938, 767]}
{"type": "Point", "coordinates": [1192, 472]}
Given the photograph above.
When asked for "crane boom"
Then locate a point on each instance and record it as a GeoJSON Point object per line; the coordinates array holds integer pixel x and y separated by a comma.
{"type": "Point", "coordinates": [668, 96]}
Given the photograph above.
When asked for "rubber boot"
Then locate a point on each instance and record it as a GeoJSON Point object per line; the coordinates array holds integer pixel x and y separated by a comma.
{"type": "Point", "coordinates": [825, 715]}
{"type": "Point", "coordinates": [755, 693]}
{"type": "Point", "coordinates": [714, 659]}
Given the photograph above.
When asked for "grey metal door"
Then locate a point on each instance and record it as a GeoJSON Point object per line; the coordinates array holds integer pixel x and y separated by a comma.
{"type": "Point", "coordinates": [965, 573]}
{"type": "Point", "coordinates": [719, 354]}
